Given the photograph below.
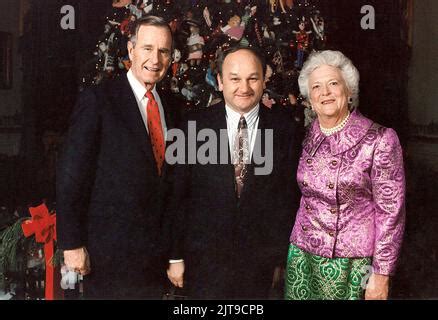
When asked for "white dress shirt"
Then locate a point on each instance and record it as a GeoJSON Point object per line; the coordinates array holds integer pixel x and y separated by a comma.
{"type": "Point", "coordinates": [142, 101]}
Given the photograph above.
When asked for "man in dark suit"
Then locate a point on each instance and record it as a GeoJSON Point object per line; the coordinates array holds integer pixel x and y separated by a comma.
{"type": "Point", "coordinates": [229, 222]}
{"type": "Point", "coordinates": [110, 178]}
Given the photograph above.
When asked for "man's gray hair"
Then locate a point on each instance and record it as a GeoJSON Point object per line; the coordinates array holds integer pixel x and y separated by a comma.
{"type": "Point", "coordinates": [335, 59]}
{"type": "Point", "coordinates": [149, 21]}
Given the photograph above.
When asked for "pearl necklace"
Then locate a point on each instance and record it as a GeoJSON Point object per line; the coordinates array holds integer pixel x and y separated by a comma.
{"type": "Point", "coordinates": [339, 127]}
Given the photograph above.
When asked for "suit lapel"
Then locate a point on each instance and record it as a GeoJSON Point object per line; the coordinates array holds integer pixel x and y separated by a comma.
{"type": "Point", "coordinates": [168, 110]}
{"type": "Point", "coordinates": [250, 182]}
{"type": "Point", "coordinates": [126, 105]}
{"type": "Point", "coordinates": [170, 115]}
{"type": "Point", "coordinates": [217, 121]}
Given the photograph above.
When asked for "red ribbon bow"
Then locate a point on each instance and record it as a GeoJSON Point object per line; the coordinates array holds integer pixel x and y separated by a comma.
{"type": "Point", "coordinates": [43, 225]}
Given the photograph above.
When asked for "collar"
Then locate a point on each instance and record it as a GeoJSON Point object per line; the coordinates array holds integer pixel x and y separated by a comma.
{"type": "Point", "coordinates": [251, 117]}
{"type": "Point", "coordinates": [138, 88]}
{"type": "Point", "coordinates": [341, 141]}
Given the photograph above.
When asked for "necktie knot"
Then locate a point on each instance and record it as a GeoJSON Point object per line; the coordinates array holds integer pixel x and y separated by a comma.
{"type": "Point", "coordinates": [150, 95]}
{"type": "Point", "coordinates": [242, 123]}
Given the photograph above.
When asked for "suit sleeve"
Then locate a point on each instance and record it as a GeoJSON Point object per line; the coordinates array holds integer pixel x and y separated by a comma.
{"type": "Point", "coordinates": [388, 183]}
{"type": "Point", "coordinates": [76, 171]}
{"type": "Point", "coordinates": [288, 192]}
{"type": "Point", "coordinates": [176, 206]}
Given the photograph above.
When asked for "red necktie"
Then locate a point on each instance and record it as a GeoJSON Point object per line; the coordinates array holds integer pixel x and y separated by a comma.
{"type": "Point", "coordinates": [155, 130]}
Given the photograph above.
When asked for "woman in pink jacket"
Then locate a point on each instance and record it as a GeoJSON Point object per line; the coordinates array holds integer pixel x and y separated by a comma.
{"type": "Point", "coordinates": [349, 227]}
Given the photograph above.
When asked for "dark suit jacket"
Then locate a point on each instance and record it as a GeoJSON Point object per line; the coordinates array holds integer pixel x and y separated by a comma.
{"type": "Point", "coordinates": [230, 246]}
{"type": "Point", "coordinates": [109, 195]}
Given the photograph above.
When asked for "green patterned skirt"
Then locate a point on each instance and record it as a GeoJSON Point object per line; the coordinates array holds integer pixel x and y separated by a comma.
{"type": "Point", "coordinates": [311, 277]}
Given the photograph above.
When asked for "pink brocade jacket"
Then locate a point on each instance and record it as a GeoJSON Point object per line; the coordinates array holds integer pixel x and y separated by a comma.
{"type": "Point", "coordinates": [353, 194]}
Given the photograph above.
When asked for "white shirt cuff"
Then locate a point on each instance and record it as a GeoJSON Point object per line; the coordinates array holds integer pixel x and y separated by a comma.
{"type": "Point", "coordinates": [176, 261]}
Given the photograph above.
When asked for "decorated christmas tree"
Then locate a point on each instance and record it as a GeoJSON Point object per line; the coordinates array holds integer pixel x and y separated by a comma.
{"type": "Point", "coordinates": [286, 31]}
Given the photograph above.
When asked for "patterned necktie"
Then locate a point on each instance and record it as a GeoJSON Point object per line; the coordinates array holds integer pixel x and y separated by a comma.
{"type": "Point", "coordinates": [241, 155]}
{"type": "Point", "coordinates": [155, 130]}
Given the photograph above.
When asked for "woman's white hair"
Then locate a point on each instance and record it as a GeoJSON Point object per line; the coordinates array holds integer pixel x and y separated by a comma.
{"type": "Point", "coordinates": [335, 59]}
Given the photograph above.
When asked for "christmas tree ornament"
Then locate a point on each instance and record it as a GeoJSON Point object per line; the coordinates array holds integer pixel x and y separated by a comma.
{"type": "Point", "coordinates": [195, 44]}
{"type": "Point", "coordinates": [318, 30]}
{"type": "Point", "coordinates": [302, 38]}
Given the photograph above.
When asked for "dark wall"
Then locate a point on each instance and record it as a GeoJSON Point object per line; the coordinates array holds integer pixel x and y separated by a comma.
{"type": "Point", "coordinates": [51, 60]}
{"type": "Point", "coordinates": [381, 55]}
{"type": "Point", "coordinates": [10, 98]}
{"type": "Point", "coordinates": [55, 56]}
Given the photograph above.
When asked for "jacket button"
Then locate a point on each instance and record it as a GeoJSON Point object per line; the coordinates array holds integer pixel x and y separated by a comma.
{"type": "Point", "coordinates": [334, 162]}
{"type": "Point", "coordinates": [304, 228]}
{"type": "Point", "coordinates": [333, 211]}
{"type": "Point", "coordinates": [331, 234]}
{"type": "Point", "coordinates": [309, 161]}
{"type": "Point", "coordinates": [331, 185]}
{"type": "Point", "coordinates": [307, 207]}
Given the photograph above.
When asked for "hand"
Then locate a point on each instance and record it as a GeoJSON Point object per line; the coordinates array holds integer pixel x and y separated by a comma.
{"type": "Point", "coordinates": [78, 260]}
{"type": "Point", "coordinates": [175, 274]}
{"type": "Point", "coordinates": [377, 288]}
